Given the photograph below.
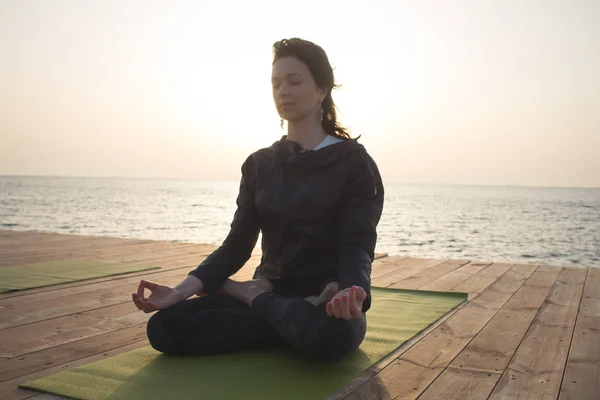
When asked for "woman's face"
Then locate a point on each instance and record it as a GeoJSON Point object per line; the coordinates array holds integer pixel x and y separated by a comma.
{"type": "Point", "coordinates": [295, 91]}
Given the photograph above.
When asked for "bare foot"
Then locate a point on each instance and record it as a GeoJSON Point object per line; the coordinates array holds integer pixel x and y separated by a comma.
{"type": "Point", "coordinates": [246, 291]}
{"type": "Point", "coordinates": [326, 295]}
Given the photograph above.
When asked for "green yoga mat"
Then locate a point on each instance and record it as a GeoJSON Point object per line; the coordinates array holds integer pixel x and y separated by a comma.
{"type": "Point", "coordinates": [20, 277]}
{"type": "Point", "coordinates": [275, 373]}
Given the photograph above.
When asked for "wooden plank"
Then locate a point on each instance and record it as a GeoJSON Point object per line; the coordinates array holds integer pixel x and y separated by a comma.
{"type": "Point", "coordinates": [371, 372]}
{"type": "Point", "coordinates": [546, 268]}
{"type": "Point", "coordinates": [25, 339]}
{"type": "Point", "coordinates": [404, 272]}
{"type": "Point", "coordinates": [493, 284]}
{"type": "Point", "coordinates": [157, 258]}
{"type": "Point", "coordinates": [388, 260]}
{"type": "Point", "coordinates": [537, 368]}
{"type": "Point", "coordinates": [449, 281]}
{"type": "Point", "coordinates": [67, 245]}
{"type": "Point", "coordinates": [67, 352]}
{"type": "Point", "coordinates": [42, 306]}
{"type": "Point", "coordinates": [138, 256]}
{"type": "Point", "coordinates": [29, 254]}
{"type": "Point", "coordinates": [582, 376]}
{"type": "Point", "coordinates": [494, 346]}
{"type": "Point", "coordinates": [15, 240]}
{"type": "Point", "coordinates": [13, 243]}
{"type": "Point", "coordinates": [52, 244]}
{"type": "Point", "coordinates": [416, 369]}
{"type": "Point", "coordinates": [422, 278]}
{"type": "Point", "coordinates": [477, 283]}
{"type": "Point", "coordinates": [168, 263]}
{"type": "Point", "coordinates": [391, 264]}
{"type": "Point", "coordinates": [9, 389]}
{"type": "Point", "coordinates": [71, 246]}
{"type": "Point", "coordinates": [144, 253]}
{"type": "Point", "coordinates": [37, 240]}
{"type": "Point", "coordinates": [385, 385]}
{"type": "Point", "coordinates": [62, 353]}
{"type": "Point", "coordinates": [16, 236]}
{"type": "Point", "coordinates": [461, 384]}
{"type": "Point", "coordinates": [117, 252]}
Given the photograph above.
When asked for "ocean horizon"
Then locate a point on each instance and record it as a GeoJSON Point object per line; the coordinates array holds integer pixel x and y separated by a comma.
{"type": "Point", "coordinates": [236, 181]}
{"type": "Point", "coordinates": [503, 223]}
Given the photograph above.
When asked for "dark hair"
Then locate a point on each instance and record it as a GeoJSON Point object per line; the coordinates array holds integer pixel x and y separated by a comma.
{"type": "Point", "coordinates": [317, 62]}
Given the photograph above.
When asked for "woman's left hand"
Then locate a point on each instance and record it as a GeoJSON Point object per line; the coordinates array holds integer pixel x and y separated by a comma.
{"type": "Point", "coordinates": [347, 303]}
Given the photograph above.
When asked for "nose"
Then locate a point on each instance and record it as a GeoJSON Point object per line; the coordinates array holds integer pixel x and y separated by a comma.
{"type": "Point", "coordinates": [283, 90]}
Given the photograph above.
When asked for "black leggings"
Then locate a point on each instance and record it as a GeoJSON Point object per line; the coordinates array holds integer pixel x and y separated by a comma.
{"type": "Point", "coordinates": [219, 323]}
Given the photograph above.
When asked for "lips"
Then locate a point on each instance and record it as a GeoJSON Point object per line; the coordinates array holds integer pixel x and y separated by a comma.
{"type": "Point", "coordinates": [286, 104]}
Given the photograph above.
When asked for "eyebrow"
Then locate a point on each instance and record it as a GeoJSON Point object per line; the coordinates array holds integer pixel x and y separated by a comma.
{"type": "Point", "coordinates": [290, 74]}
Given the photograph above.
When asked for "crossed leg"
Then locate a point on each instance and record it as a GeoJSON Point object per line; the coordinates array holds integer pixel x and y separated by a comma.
{"type": "Point", "coordinates": [223, 323]}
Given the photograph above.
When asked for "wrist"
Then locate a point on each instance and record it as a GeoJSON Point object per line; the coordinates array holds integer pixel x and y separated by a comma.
{"type": "Point", "coordinates": [190, 286]}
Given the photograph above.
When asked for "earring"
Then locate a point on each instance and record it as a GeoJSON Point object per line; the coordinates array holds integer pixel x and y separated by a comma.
{"type": "Point", "coordinates": [281, 123]}
{"type": "Point", "coordinates": [321, 113]}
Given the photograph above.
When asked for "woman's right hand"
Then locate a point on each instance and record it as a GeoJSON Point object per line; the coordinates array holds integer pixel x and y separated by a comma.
{"type": "Point", "coordinates": [161, 296]}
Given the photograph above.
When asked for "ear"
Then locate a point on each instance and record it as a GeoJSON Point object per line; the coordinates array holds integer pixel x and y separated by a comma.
{"type": "Point", "coordinates": [322, 95]}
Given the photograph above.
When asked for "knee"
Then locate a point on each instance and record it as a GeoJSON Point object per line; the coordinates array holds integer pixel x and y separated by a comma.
{"type": "Point", "coordinates": [338, 339]}
{"type": "Point", "coordinates": [159, 336]}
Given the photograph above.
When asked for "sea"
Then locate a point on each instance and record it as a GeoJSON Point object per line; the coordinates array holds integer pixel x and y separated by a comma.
{"type": "Point", "coordinates": [528, 225]}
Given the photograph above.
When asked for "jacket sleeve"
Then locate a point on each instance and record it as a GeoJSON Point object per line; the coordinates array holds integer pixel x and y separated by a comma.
{"type": "Point", "coordinates": [237, 247]}
{"type": "Point", "coordinates": [360, 212]}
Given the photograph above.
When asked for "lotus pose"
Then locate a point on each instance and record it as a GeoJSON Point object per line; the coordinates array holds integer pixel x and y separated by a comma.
{"type": "Point", "coordinates": [317, 197]}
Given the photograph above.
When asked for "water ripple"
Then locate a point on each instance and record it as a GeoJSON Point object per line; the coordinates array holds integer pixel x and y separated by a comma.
{"type": "Point", "coordinates": [551, 226]}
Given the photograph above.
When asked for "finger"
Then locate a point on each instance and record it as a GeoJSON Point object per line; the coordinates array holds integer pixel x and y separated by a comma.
{"type": "Point", "coordinates": [346, 307]}
{"type": "Point", "coordinates": [140, 290]}
{"type": "Point", "coordinates": [361, 294]}
{"type": "Point", "coordinates": [135, 298]}
{"type": "Point", "coordinates": [337, 307]}
{"type": "Point", "coordinates": [354, 309]}
{"type": "Point", "coordinates": [139, 303]}
{"type": "Point", "coordinates": [150, 285]}
{"type": "Point", "coordinates": [145, 307]}
{"type": "Point", "coordinates": [329, 309]}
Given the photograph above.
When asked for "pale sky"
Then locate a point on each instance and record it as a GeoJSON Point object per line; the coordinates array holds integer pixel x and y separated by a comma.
{"type": "Point", "coordinates": [457, 92]}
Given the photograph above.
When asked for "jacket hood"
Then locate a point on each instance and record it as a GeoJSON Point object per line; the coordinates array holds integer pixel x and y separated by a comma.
{"type": "Point", "coordinates": [289, 152]}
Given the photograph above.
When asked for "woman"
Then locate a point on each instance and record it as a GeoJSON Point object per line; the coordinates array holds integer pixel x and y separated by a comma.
{"type": "Point", "coordinates": [317, 197]}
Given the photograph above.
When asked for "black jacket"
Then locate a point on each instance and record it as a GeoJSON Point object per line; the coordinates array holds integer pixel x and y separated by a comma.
{"type": "Point", "coordinates": [318, 212]}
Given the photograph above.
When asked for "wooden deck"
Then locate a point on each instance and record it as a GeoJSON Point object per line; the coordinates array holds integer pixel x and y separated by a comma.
{"type": "Point", "coordinates": [527, 331]}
